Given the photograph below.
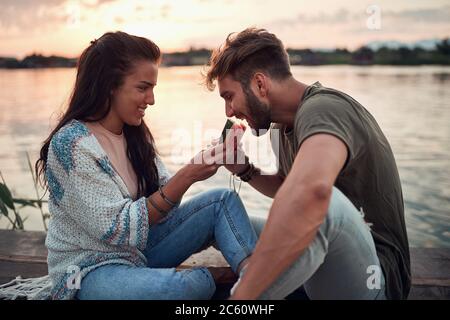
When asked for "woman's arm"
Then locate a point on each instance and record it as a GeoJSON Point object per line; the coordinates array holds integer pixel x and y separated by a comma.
{"type": "Point", "coordinates": [177, 186]}
{"type": "Point", "coordinates": [174, 190]}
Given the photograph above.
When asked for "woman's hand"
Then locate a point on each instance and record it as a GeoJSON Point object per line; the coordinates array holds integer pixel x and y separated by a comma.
{"type": "Point", "coordinates": [230, 154]}
{"type": "Point", "coordinates": [204, 164]}
{"type": "Point", "coordinates": [199, 171]}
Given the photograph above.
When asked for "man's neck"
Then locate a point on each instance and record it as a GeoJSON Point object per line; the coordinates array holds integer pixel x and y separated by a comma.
{"type": "Point", "coordinates": [285, 101]}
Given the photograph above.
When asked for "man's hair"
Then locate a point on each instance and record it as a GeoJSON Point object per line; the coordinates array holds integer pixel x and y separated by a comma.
{"type": "Point", "coordinates": [245, 53]}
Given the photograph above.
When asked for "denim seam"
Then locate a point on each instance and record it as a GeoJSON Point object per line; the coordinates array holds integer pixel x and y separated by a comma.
{"type": "Point", "coordinates": [341, 228]}
{"type": "Point", "coordinates": [234, 230]}
{"type": "Point", "coordinates": [208, 274]}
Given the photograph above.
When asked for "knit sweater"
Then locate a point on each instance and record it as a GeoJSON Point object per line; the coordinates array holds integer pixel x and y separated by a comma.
{"type": "Point", "coordinates": [94, 219]}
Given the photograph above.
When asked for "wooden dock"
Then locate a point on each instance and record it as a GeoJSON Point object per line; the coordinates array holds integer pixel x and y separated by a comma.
{"type": "Point", "coordinates": [24, 253]}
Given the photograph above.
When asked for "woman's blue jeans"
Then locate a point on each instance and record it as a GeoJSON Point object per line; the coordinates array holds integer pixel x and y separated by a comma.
{"type": "Point", "coordinates": [217, 216]}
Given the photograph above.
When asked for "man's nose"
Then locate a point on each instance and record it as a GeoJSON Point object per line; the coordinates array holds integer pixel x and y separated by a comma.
{"type": "Point", "coordinates": [229, 111]}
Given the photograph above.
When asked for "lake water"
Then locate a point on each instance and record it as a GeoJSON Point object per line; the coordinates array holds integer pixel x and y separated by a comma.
{"type": "Point", "coordinates": [411, 104]}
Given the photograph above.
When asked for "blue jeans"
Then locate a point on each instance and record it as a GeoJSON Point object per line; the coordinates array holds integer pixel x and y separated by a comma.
{"type": "Point", "coordinates": [340, 263]}
{"type": "Point", "coordinates": [217, 216]}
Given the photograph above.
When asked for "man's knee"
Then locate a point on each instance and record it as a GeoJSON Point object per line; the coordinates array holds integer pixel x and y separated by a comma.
{"type": "Point", "coordinates": [342, 211]}
{"type": "Point", "coordinates": [340, 207]}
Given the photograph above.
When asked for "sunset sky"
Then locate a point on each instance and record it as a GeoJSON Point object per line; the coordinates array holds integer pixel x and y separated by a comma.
{"type": "Point", "coordinates": [65, 27]}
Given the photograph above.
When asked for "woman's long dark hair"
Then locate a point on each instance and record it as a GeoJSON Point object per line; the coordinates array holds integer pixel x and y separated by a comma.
{"type": "Point", "coordinates": [102, 68]}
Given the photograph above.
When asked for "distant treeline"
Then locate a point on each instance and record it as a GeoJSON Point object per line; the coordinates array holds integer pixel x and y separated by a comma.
{"type": "Point", "coordinates": [362, 56]}
{"type": "Point", "coordinates": [38, 61]}
{"type": "Point", "coordinates": [366, 56]}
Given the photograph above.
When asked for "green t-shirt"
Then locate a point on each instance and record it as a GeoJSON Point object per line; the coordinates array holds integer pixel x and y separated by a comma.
{"type": "Point", "coordinates": [369, 178]}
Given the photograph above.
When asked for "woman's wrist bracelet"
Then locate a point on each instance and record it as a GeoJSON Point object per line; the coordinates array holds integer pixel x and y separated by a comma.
{"type": "Point", "coordinates": [153, 203]}
{"type": "Point", "coordinates": [167, 200]}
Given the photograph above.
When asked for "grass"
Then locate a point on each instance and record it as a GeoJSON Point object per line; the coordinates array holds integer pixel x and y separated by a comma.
{"type": "Point", "coordinates": [11, 207]}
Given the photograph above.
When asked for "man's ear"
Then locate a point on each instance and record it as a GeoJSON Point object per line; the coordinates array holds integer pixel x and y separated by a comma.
{"type": "Point", "coordinates": [262, 83]}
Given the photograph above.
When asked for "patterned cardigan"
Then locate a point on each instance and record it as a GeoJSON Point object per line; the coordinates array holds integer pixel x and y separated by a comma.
{"type": "Point", "coordinates": [94, 220]}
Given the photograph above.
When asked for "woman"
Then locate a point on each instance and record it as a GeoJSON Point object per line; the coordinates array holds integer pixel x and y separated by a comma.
{"type": "Point", "coordinates": [117, 229]}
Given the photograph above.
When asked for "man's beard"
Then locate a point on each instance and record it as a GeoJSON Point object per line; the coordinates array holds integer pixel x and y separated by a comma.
{"type": "Point", "coordinates": [259, 112]}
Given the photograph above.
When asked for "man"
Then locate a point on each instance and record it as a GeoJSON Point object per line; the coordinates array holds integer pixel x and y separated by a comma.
{"type": "Point", "coordinates": [336, 168]}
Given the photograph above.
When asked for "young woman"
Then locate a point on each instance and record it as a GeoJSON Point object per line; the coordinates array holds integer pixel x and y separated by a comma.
{"type": "Point", "coordinates": [117, 229]}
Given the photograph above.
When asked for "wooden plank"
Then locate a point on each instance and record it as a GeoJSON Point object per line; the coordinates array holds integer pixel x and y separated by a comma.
{"type": "Point", "coordinates": [430, 270]}
{"type": "Point", "coordinates": [429, 293]}
{"type": "Point", "coordinates": [431, 266]}
{"type": "Point", "coordinates": [24, 253]}
{"type": "Point", "coordinates": [23, 243]}
{"type": "Point", "coordinates": [10, 270]}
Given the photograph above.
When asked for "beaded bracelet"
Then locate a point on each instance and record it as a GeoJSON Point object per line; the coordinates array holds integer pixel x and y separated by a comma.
{"type": "Point", "coordinates": [245, 171]}
{"type": "Point", "coordinates": [248, 174]}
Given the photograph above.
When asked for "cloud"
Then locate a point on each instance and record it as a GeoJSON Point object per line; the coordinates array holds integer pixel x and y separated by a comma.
{"type": "Point", "coordinates": [95, 3]}
{"type": "Point", "coordinates": [29, 3]}
{"type": "Point", "coordinates": [26, 14]}
{"type": "Point", "coordinates": [344, 16]}
{"type": "Point", "coordinates": [33, 16]}
{"type": "Point", "coordinates": [181, 23]}
{"type": "Point", "coordinates": [350, 27]}
{"type": "Point", "coordinates": [427, 15]}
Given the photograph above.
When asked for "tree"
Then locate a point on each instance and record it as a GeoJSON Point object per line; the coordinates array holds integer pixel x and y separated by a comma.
{"type": "Point", "coordinates": [444, 46]}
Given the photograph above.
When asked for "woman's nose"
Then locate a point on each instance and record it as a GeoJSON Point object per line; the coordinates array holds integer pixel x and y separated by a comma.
{"type": "Point", "coordinates": [150, 99]}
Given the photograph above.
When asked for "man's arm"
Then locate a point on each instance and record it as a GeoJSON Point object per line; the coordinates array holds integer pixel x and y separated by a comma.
{"type": "Point", "coordinates": [268, 185]}
{"type": "Point", "coordinates": [298, 210]}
